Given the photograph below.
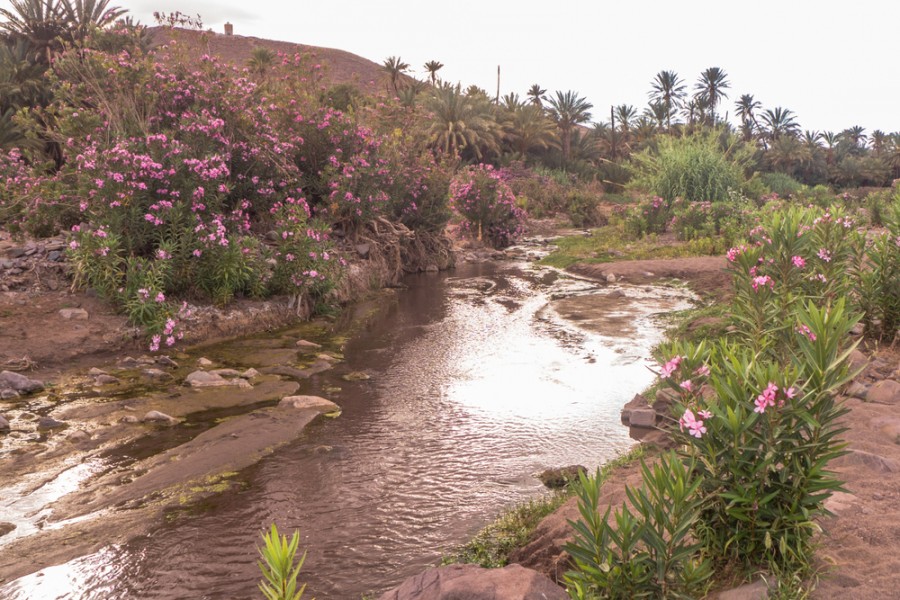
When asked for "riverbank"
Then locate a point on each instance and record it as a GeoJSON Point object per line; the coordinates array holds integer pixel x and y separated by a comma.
{"type": "Point", "coordinates": [858, 540]}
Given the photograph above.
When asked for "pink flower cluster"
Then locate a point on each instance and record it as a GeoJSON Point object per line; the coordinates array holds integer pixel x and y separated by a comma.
{"type": "Point", "coordinates": [769, 397]}
{"type": "Point", "coordinates": [693, 424]}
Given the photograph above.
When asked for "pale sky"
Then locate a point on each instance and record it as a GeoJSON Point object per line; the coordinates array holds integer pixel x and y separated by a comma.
{"type": "Point", "coordinates": [835, 64]}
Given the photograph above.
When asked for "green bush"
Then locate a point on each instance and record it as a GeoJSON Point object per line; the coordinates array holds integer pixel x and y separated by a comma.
{"type": "Point", "coordinates": [781, 184]}
{"type": "Point", "coordinates": [278, 569]}
{"type": "Point", "coordinates": [583, 208]}
{"type": "Point", "coordinates": [693, 168]}
{"type": "Point", "coordinates": [651, 550]}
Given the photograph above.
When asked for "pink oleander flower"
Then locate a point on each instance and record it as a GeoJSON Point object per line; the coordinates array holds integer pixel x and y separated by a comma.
{"type": "Point", "coordinates": [762, 281]}
{"type": "Point", "coordinates": [766, 399]}
{"type": "Point", "coordinates": [824, 254]}
{"type": "Point", "coordinates": [695, 426]}
{"type": "Point", "coordinates": [154, 343]}
{"type": "Point", "coordinates": [160, 297]}
{"type": "Point", "coordinates": [702, 371]}
{"type": "Point", "coordinates": [804, 330]}
{"type": "Point", "coordinates": [798, 262]}
{"type": "Point", "coordinates": [686, 385]}
{"type": "Point", "coordinates": [705, 414]}
{"type": "Point", "coordinates": [670, 367]}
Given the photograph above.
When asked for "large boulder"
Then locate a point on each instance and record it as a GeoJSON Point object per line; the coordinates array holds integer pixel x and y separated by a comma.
{"type": "Point", "coordinates": [17, 382]}
{"type": "Point", "coordinates": [211, 379]}
{"type": "Point", "coordinates": [471, 582]}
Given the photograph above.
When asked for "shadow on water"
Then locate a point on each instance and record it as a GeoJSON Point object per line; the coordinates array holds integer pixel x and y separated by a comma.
{"type": "Point", "coordinates": [478, 381]}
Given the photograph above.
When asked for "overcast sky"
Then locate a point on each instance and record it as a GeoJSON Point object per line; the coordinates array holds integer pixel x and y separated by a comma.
{"type": "Point", "coordinates": [835, 64]}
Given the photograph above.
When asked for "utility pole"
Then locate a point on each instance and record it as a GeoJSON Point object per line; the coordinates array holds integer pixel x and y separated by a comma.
{"type": "Point", "coordinates": [497, 99]}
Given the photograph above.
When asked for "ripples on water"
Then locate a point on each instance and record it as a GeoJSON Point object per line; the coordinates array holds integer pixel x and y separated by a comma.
{"type": "Point", "coordinates": [476, 386]}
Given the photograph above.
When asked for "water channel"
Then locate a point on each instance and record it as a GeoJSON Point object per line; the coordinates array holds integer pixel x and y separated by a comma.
{"type": "Point", "coordinates": [479, 379]}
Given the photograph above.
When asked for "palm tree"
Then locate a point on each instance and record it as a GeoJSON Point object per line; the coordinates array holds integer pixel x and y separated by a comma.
{"type": "Point", "coordinates": [40, 23]}
{"type": "Point", "coordinates": [567, 110]}
{"type": "Point", "coordinates": [22, 81]}
{"type": "Point", "coordinates": [657, 111]}
{"type": "Point", "coordinates": [433, 66]}
{"type": "Point", "coordinates": [84, 15]}
{"type": "Point", "coordinates": [880, 142]}
{"type": "Point", "coordinates": [529, 129]}
{"type": "Point", "coordinates": [855, 137]}
{"type": "Point", "coordinates": [625, 114]}
{"type": "Point", "coordinates": [395, 67]}
{"type": "Point", "coordinates": [746, 110]}
{"type": "Point", "coordinates": [511, 102]}
{"type": "Point", "coordinates": [778, 123]}
{"type": "Point", "coordinates": [260, 61]}
{"type": "Point", "coordinates": [536, 93]}
{"type": "Point", "coordinates": [461, 123]}
{"type": "Point", "coordinates": [711, 88]}
{"type": "Point", "coordinates": [668, 89]}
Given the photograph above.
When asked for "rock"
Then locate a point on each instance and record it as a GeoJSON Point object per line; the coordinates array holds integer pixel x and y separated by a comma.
{"type": "Point", "coordinates": [356, 376]}
{"type": "Point", "coordinates": [328, 358]}
{"type": "Point", "coordinates": [129, 419]}
{"type": "Point", "coordinates": [858, 329]}
{"type": "Point", "coordinates": [250, 374]}
{"type": "Point", "coordinates": [314, 402]}
{"type": "Point", "coordinates": [292, 372]}
{"type": "Point", "coordinates": [226, 372]}
{"type": "Point", "coordinates": [857, 360]}
{"type": "Point", "coordinates": [78, 436]}
{"type": "Point", "coordinates": [611, 278]}
{"type": "Point", "coordinates": [4, 424]}
{"type": "Point", "coordinates": [54, 256]}
{"type": "Point", "coordinates": [128, 363]}
{"type": "Point", "coordinates": [616, 294]}
{"type": "Point", "coordinates": [758, 590]}
{"type": "Point", "coordinates": [363, 250]}
{"type": "Point", "coordinates": [207, 379]}
{"type": "Point", "coordinates": [434, 268]}
{"type": "Point", "coordinates": [157, 375]}
{"type": "Point", "coordinates": [643, 417]}
{"type": "Point", "coordinates": [154, 416]}
{"type": "Point", "coordinates": [204, 362]}
{"type": "Point", "coordinates": [471, 582]}
{"type": "Point", "coordinates": [94, 372]}
{"type": "Point", "coordinates": [74, 314]}
{"type": "Point", "coordinates": [859, 458]}
{"type": "Point", "coordinates": [635, 403]}
{"type": "Point", "coordinates": [559, 478]}
{"type": "Point", "coordinates": [19, 383]}
{"type": "Point", "coordinates": [665, 398]}
{"type": "Point", "coordinates": [857, 390]}
{"type": "Point", "coordinates": [6, 394]}
{"type": "Point", "coordinates": [839, 502]}
{"type": "Point", "coordinates": [106, 379]}
{"type": "Point", "coordinates": [46, 423]}
{"type": "Point", "coordinates": [308, 345]}
{"type": "Point", "coordinates": [165, 361]}
{"type": "Point", "coordinates": [886, 391]}
{"type": "Point", "coordinates": [15, 252]}
{"type": "Point", "coordinates": [6, 528]}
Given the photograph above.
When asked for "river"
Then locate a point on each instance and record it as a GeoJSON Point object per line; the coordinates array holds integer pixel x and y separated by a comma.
{"type": "Point", "coordinates": [479, 379]}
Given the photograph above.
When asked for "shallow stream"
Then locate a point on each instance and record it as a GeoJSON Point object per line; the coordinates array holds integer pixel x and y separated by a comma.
{"type": "Point", "coordinates": [479, 379]}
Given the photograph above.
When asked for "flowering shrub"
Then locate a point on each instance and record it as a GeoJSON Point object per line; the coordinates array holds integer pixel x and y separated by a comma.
{"type": "Point", "coordinates": [761, 436]}
{"type": "Point", "coordinates": [486, 203]}
{"type": "Point", "coordinates": [650, 216]}
{"type": "Point", "coordinates": [724, 220]}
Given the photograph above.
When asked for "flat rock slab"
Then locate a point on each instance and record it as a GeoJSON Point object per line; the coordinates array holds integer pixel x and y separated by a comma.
{"type": "Point", "coordinates": [74, 314]}
{"type": "Point", "coordinates": [200, 379]}
{"type": "Point", "coordinates": [471, 582]}
{"type": "Point", "coordinates": [309, 402]}
{"type": "Point", "coordinates": [232, 445]}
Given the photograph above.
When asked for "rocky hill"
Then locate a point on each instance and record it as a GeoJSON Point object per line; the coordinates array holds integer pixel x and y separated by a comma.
{"type": "Point", "coordinates": [339, 66]}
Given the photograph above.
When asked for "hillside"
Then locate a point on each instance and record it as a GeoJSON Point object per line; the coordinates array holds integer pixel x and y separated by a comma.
{"type": "Point", "coordinates": [339, 66]}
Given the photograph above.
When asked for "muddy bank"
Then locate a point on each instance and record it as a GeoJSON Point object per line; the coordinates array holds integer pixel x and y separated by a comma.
{"type": "Point", "coordinates": [705, 274]}
{"type": "Point", "coordinates": [49, 328]}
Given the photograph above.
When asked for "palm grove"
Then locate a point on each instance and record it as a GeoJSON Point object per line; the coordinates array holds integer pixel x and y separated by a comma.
{"type": "Point", "coordinates": [559, 130]}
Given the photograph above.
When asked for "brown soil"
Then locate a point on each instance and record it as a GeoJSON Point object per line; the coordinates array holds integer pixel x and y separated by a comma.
{"type": "Point", "coordinates": [705, 274]}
